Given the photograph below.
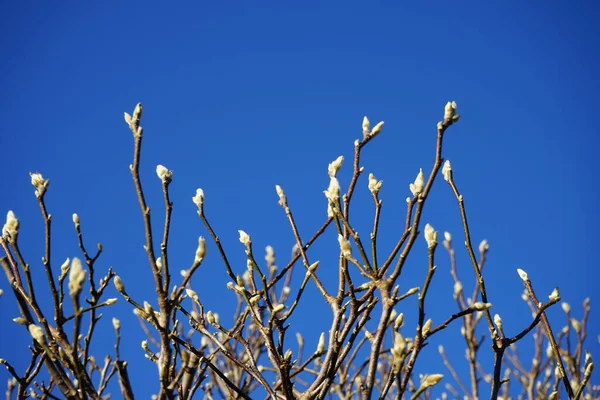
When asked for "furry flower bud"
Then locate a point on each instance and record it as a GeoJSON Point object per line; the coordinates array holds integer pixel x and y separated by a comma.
{"type": "Point", "coordinates": [11, 227]}
{"type": "Point", "coordinates": [417, 186]}
{"type": "Point", "coordinates": [163, 173]}
{"type": "Point", "coordinates": [244, 238]}
{"type": "Point", "coordinates": [430, 236]}
{"type": "Point", "coordinates": [447, 171]}
{"type": "Point", "coordinates": [345, 246]}
{"type": "Point", "coordinates": [374, 184]}
{"type": "Point", "coordinates": [198, 199]}
{"type": "Point", "coordinates": [76, 277]}
{"type": "Point", "coordinates": [335, 166]}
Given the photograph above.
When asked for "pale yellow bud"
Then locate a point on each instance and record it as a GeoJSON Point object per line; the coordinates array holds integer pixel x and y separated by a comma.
{"type": "Point", "coordinates": [417, 186]}
{"type": "Point", "coordinates": [281, 194]}
{"type": "Point", "coordinates": [210, 317]}
{"type": "Point", "coordinates": [11, 227]}
{"type": "Point", "coordinates": [430, 236]}
{"type": "Point", "coordinates": [110, 301]}
{"type": "Point", "coordinates": [498, 321]}
{"type": "Point", "coordinates": [321, 344]}
{"type": "Point", "coordinates": [278, 307]}
{"type": "Point", "coordinates": [76, 277]}
{"type": "Point", "coordinates": [366, 125]}
{"type": "Point", "coordinates": [148, 308]}
{"type": "Point", "coordinates": [244, 238]}
{"type": "Point", "coordinates": [399, 321]}
{"type": "Point", "coordinates": [450, 111]}
{"type": "Point", "coordinates": [427, 326]}
{"type": "Point", "coordinates": [479, 306]}
{"type": "Point", "coordinates": [458, 288]}
{"type": "Point", "coordinates": [484, 246]}
{"type": "Point", "coordinates": [38, 181]}
{"type": "Point", "coordinates": [270, 255]}
{"type": "Point", "coordinates": [447, 171]}
{"type": "Point", "coordinates": [300, 339]}
{"type": "Point", "coordinates": [431, 380]}
{"type": "Point", "coordinates": [566, 307]}
{"type": "Point", "coordinates": [37, 333]}
{"type": "Point", "coordinates": [76, 219]}
{"type": "Point", "coordinates": [201, 250]}
{"type": "Point", "coordinates": [333, 191]}
{"type": "Point", "coordinates": [163, 173]}
{"type": "Point", "coordinates": [335, 166]}
{"type": "Point", "coordinates": [198, 199]}
{"type": "Point", "coordinates": [119, 284]}
{"type": "Point", "coordinates": [116, 324]}
{"type": "Point", "coordinates": [345, 246]}
{"type": "Point", "coordinates": [376, 129]}
{"type": "Point", "coordinates": [192, 294]}
{"type": "Point", "coordinates": [399, 345]}
{"type": "Point", "coordinates": [374, 184]}
{"type": "Point", "coordinates": [522, 274]}
{"type": "Point", "coordinates": [555, 295]}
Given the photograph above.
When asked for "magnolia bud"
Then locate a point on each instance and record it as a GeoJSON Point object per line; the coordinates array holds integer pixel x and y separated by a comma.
{"type": "Point", "coordinates": [430, 236]}
{"type": "Point", "coordinates": [244, 238]}
{"type": "Point", "coordinates": [447, 171]}
{"type": "Point", "coordinates": [417, 186]}
{"type": "Point", "coordinates": [198, 199]}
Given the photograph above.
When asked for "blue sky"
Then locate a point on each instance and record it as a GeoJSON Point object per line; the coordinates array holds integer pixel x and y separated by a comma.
{"type": "Point", "coordinates": [243, 96]}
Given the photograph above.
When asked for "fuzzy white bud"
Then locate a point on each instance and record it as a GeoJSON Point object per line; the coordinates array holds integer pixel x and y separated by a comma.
{"type": "Point", "coordinates": [119, 284]}
{"type": "Point", "coordinates": [210, 317]}
{"type": "Point", "coordinates": [431, 380]}
{"type": "Point", "coordinates": [480, 306]}
{"type": "Point", "coordinates": [345, 246]}
{"type": "Point", "coordinates": [198, 199]}
{"type": "Point", "coordinates": [417, 186]}
{"type": "Point", "coordinates": [201, 250]}
{"type": "Point", "coordinates": [116, 324]}
{"type": "Point", "coordinates": [11, 227]}
{"type": "Point", "coordinates": [335, 166]}
{"type": "Point", "coordinates": [76, 219]}
{"type": "Point", "coordinates": [376, 129]}
{"type": "Point", "coordinates": [278, 307]}
{"type": "Point", "coordinates": [555, 295]}
{"type": "Point", "coordinates": [270, 255]}
{"type": "Point", "coordinates": [244, 238]}
{"type": "Point", "coordinates": [38, 181]}
{"type": "Point", "coordinates": [566, 307]}
{"type": "Point", "coordinates": [430, 236]}
{"type": "Point", "coordinates": [399, 321]}
{"type": "Point", "coordinates": [366, 127]}
{"type": "Point", "coordinates": [321, 344]}
{"type": "Point", "coordinates": [110, 301]}
{"type": "Point", "coordinates": [163, 173]}
{"type": "Point", "coordinates": [498, 321]}
{"type": "Point", "coordinates": [447, 171]}
{"type": "Point", "coordinates": [484, 246]}
{"type": "Point", "coordinates": [281, 194]}
{"type": "Point", "coordinates": [458, 288]}
{"type": "Point", "coordinates": [522, 274]}
{"type": "Point", "coordinates": [333, 191]}
{"type": "Point", "coordinates": [399, 345]}
{"type": "Point", "coordinates": [37, 333]}
{"type": "Point", "coordinates": [300, 339]}
{"type": "Point", "coordinates": [427, 326]}
{"type": "Point", "coordinates": [450, 111]}
{"type": "Point", "coordinates": [374, 184]}
{"type": "Point", "coordinates": [192, 294]}
{"type": "Point", "coordinates": [76, 277]}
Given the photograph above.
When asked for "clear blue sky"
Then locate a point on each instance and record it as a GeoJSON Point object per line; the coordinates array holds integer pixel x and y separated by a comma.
{"type": "Point", "coordinates": [243, 96]}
